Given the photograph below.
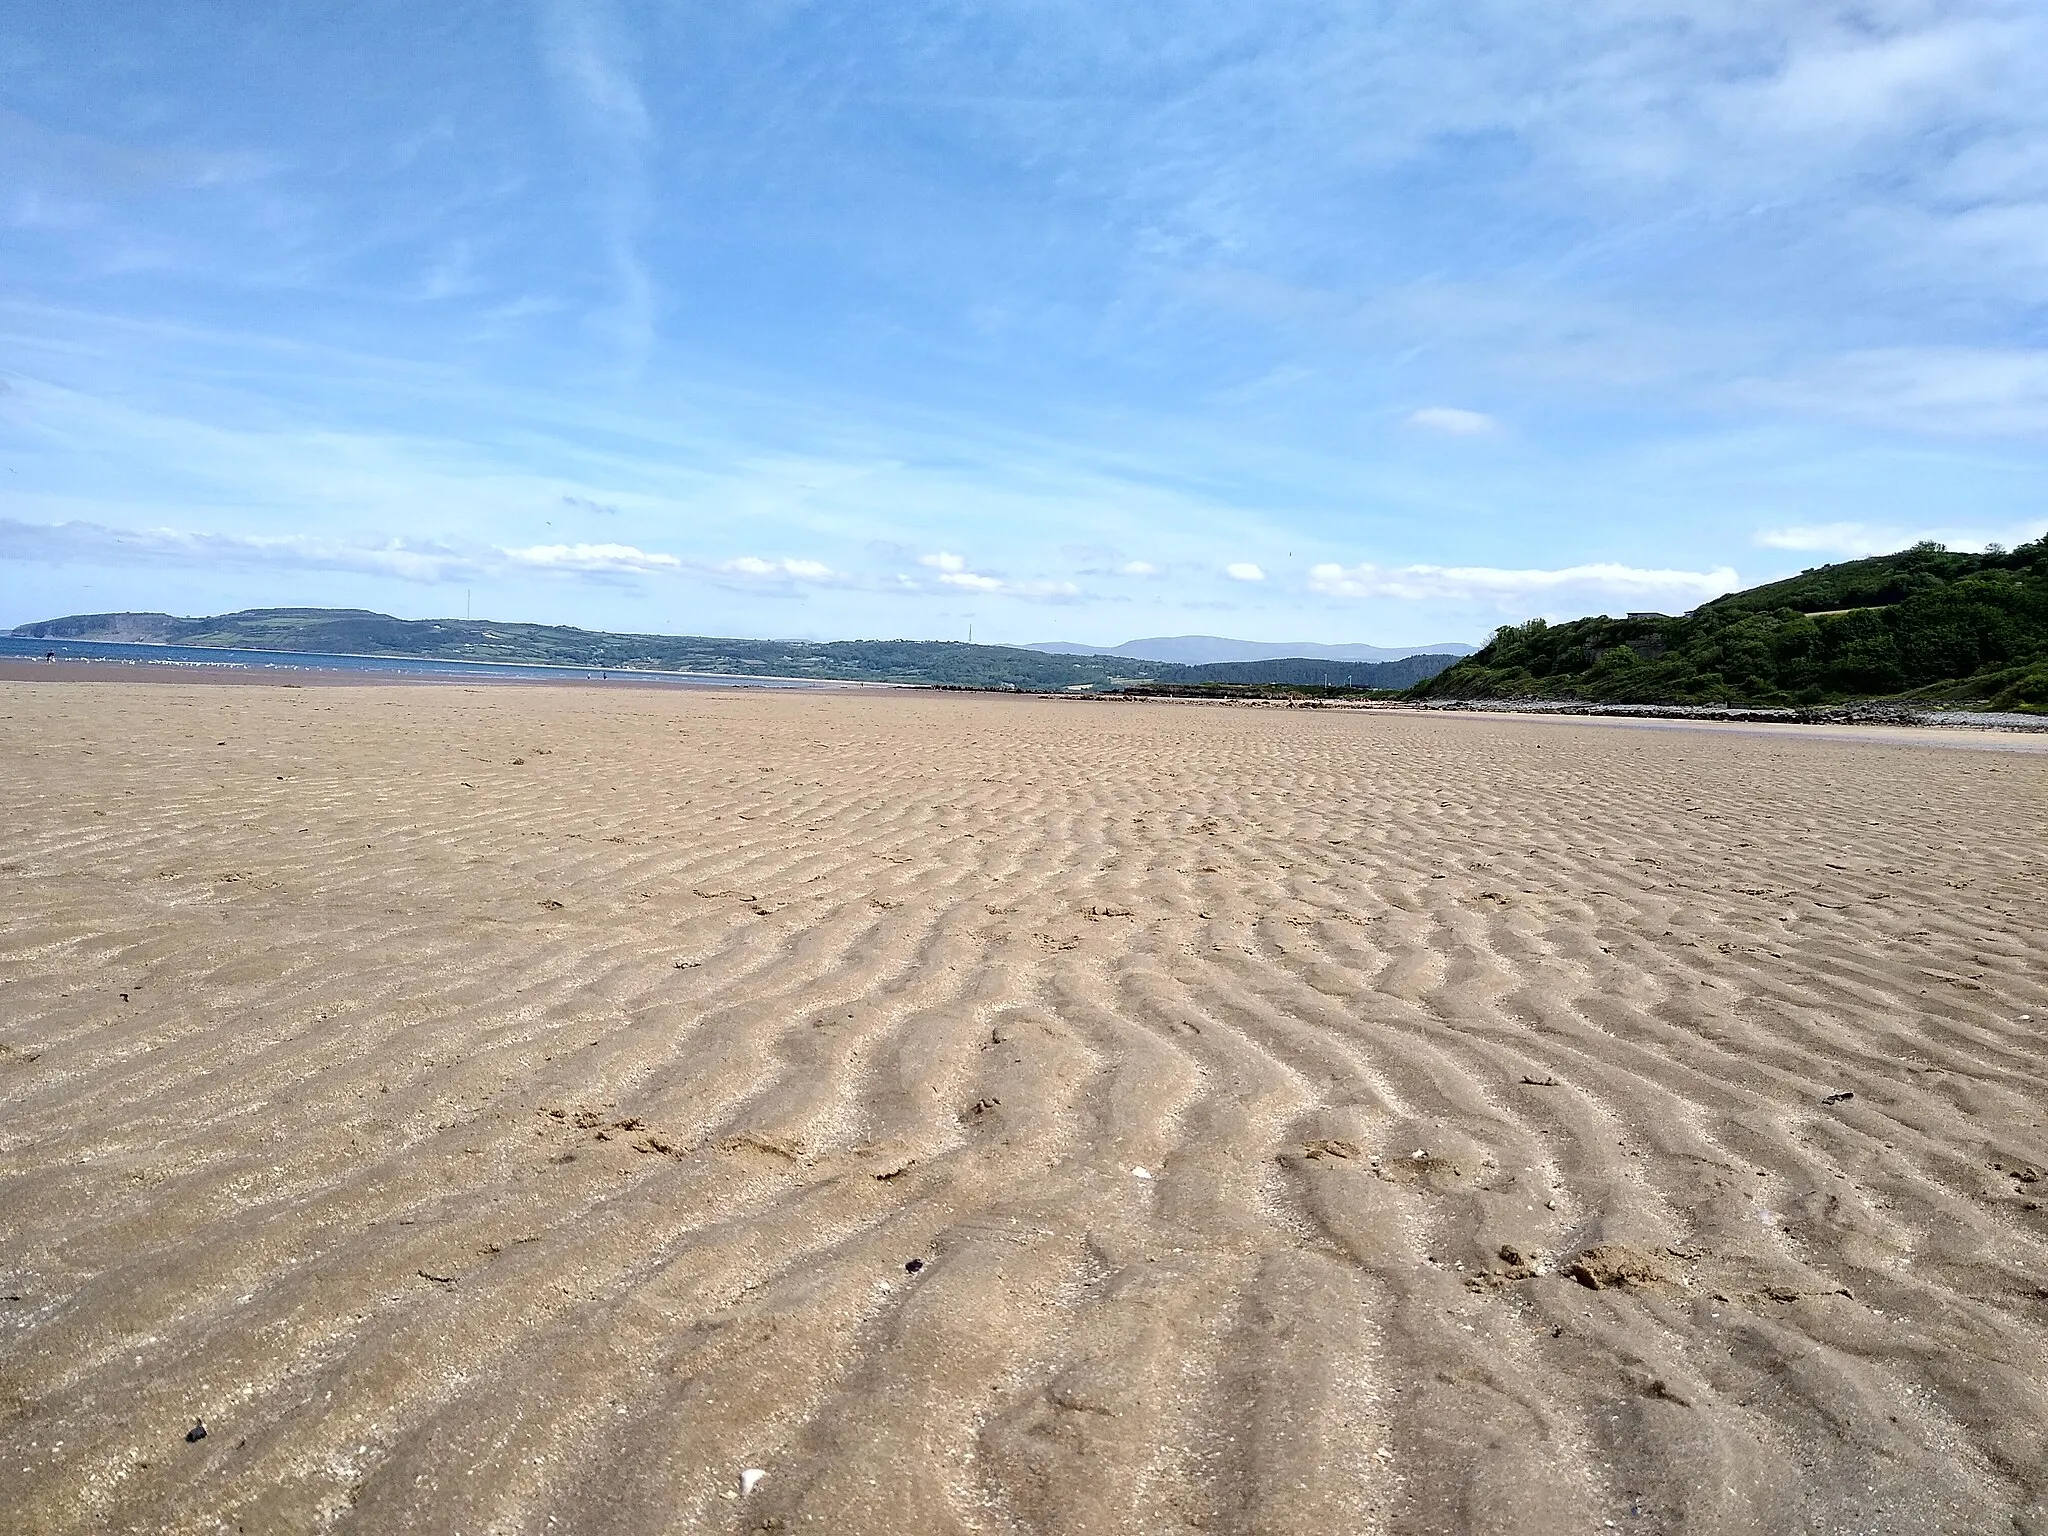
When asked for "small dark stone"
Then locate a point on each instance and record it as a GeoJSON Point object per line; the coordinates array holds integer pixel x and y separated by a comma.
{"type": "Point", "coordinates": [914, 1265]}
{"type": "Point", "coordinates": [1838, 1098]}
{"type": "Point", "coordinates": [196, 1433]}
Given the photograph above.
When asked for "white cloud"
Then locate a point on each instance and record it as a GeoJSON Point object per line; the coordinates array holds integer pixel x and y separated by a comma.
{"type": "Point", "coordinates": [779, 570]}
{"type": "Point", "coordinates": [1475, 583]}
{"type": "Point", "coordinates": [1833, 538]}
{"type": "Point", "coordinates": [1137, 568]}
{"type": "Point", "coordinates": [1858, 539]}
{"type": "Point", "coordinates": [970, 582]}
{"type": "Point", "coordinates": [1243, 570]}
{"type": "Point", "coordinates": [953, 574]}
{"type": "Point", "coordinates": [1859, 83]}
{"type": "Point", "coordinates": [1452, 422]}
{"type": "Point", "coordinates": [593, 559]}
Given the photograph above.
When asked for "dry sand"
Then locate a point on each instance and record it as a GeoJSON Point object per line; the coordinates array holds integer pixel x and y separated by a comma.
{"type": "Point", "coordinates": [520, 1110]}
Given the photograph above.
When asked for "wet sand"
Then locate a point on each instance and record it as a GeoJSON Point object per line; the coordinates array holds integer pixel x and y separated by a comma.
{"type": "Point", "coordinates": [523, 1109]}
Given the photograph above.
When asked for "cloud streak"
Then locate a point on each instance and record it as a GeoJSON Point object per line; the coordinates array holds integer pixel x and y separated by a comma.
{"type": "Point", "coordinates": [411, 560]}
{"type": "Point", "coordinates": [583, 44]}
{"type": "Point", "coordinates": [953, 575]}
{"type": "Point", "coordinates": [1488, 584]}
{"type": "Point", "coordinates": [81, 543]}
{"type": "Point", "coordinates": [594, 559]}
{"type": "Point", "coordinates": [779, 570]}
{"type": "Point", "coordinates": [102, 545]}
{"type": "Point", "coordinates": [1950, 391]}
{"type": "Point", "coordinates": [1855, 539]}
{"type": "Point", "coordinates": [1452, 421]}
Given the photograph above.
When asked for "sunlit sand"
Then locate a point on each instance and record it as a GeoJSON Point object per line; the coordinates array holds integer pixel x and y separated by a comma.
{"type": "Point", "coordinates": [532, 1109]}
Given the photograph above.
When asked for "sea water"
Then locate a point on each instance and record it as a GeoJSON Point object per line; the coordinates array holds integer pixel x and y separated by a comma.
{"type": "Point", "coordinates": [412, 666]}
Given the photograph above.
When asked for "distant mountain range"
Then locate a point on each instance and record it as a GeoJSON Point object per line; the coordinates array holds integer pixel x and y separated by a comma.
{"type": "Point", "coordinates": [358, 632]}
{"type": "Point", "coordinates": [1201, 650]}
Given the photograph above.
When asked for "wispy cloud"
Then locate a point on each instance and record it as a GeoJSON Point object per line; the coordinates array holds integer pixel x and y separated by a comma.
{"type": "Point", "coordinates": [594, 559]}
{"type": "Point", "coordinates": [80, 543]}
{"type": "Point", "coordinates": [1244, 570]}
{"type": "Point", "coordinates": [954, 575]}
{"type": "Point", "coordinates": [98, 544]}
{"type": "Point", "coordinates": [1960, 391]}
{"type": "Point", "coordinates": [1044, 591]}
{"type": "Point", "coordinates": [584, 45]}
{"type": "Point", "coordinates": [779, 570]}
{"type": "Point", "coordinates": [1452, 421]}
{"type": "Point", "coordinates": [1487, 584]}
{"type": "Point", "coordinates": [1857, 539]}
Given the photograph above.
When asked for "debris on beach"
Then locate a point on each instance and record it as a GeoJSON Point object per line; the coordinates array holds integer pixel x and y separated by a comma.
{"type": "Point", "coordinates": [1328, 1146]}
{"type": "Point", "coordinates": [196, 1433]}
{"type": "Point", "coordinates": [1615, 1266]}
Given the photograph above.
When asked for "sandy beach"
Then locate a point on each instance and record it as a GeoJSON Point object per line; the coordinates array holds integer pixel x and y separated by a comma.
{"type": "Point", "coordinates": [527, 1109]}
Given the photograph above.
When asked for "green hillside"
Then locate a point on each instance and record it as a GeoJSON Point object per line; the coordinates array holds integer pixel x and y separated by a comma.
{"type": "Point", "coordinates": [358, 632]}
{"type": "Point", "coordinates": [1927, 623]}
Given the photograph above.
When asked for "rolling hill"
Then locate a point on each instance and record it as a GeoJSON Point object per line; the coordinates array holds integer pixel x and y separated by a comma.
{"type": "Point", "coordinates": [354, 631]}
{"type": "Point", "coordinates": [1927, 624]}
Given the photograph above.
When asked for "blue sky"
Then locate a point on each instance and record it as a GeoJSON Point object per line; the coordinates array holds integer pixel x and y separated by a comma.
{"type": "Point", "coordinates": [1373, 321]}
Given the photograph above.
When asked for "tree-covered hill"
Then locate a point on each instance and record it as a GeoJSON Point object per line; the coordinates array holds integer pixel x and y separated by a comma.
{"type": "Point", "coordinates": [357, 632]}
{"type": "Point", "coordinates": [1926, 623]}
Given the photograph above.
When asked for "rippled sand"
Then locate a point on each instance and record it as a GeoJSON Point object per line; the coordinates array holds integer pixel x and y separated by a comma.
{"type": "Point", "coordinates": [523, 1110]}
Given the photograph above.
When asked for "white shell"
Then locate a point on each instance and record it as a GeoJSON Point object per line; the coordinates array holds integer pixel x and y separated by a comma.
{"type": "Point", "coordinates": [749, 1478]}
{"type": "Point", "coordinates": [1140, 1173]}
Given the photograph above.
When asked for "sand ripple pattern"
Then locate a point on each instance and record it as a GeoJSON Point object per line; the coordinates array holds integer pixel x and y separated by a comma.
{"type": "Point", "coordinates": [522, 1110]}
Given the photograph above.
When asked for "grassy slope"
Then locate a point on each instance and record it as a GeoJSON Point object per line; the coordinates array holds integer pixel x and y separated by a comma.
{"type": "Point", "coordinates": [358, 632]}
{"type": "Point", "coordinates": [1925, 623]}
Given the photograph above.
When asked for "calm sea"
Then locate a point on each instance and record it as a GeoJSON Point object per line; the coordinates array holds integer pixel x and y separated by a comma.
{"type": "Point", "coordinates": [410, 666]}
